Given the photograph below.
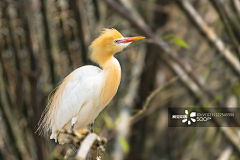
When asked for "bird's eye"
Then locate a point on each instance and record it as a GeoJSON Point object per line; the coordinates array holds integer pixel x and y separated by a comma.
{"type": "Point", "coordinates": [116, 41]}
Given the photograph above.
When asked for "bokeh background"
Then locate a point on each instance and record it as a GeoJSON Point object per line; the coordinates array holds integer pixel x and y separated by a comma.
{"type": "Point", "coordinates": [190, 58]}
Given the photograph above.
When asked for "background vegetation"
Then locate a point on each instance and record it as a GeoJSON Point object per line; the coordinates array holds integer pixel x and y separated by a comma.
{"type": "Point", "coordinates": [190, 58]}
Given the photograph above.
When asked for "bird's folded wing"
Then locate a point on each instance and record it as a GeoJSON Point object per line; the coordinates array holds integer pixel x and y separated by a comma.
{"type": "Point", "coordinates": [79, 88]}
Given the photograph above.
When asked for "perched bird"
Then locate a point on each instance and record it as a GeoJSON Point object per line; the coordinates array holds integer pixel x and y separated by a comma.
{"type": "Point", "coordinates": [85, 92]}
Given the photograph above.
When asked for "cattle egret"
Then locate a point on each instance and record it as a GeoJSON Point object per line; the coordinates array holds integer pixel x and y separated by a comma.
{"type": "Point", "coordinates": [85, 92]}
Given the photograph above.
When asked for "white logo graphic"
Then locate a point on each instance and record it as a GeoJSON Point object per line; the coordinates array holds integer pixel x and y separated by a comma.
{"type": "Point", "coordinates": [201, 117]}
{"type": "Point", "coordinates": [193, 114]}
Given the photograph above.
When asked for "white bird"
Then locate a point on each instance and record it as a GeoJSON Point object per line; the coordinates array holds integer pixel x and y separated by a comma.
{"type": "Point", "coordinates": [85, 92]}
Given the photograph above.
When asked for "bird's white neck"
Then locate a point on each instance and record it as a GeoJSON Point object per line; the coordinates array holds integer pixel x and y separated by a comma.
{"type": "Point", "coordinates": [112, 77]}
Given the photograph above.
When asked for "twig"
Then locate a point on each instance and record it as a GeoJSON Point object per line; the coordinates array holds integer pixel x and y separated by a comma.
{"type": "Point", "coordinates": [232, 137]}
{"type": "Point", "coordinates": [156, 91]}
{"type": "Point", "coordinates": [62, 8]}
{"type": "Point", "coordinates": [81, 33]}
{"type": "Point", "coordinates": [225, 21]}
{"type": "Point", "coordinates": [14, 131]}
{"type": "Point", "coordinates": [86, 141]}
{"type": "Point", "coordinates": [48, 41]}
{"type": "Point", "coordinates": [225, 155]}
{"type": "Point", "coordinates": [86, 146]}
{"type": "Point", "coordinates": [152, 95]}
{"type": "Point", "coordinates": [236, 6]}
{"type": "Point", "coordinates": [232, 17]}
{"type": "Point", "coordinates": [32, 75]}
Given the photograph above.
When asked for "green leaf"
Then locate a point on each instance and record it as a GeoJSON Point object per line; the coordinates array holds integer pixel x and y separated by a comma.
{"type": "Point", "coordinates": [232, 157]}
{"type": "Point", "coordinates": [97, 130]}
{"type": "Point", "coordinates": [218, 97]}
{"type": "Point", "coordinates": [108, 121]}
{"type": "Point", "coordinates": [237, 89]}
{"type": "Point", "coordinates": [136, 110]}
{"type": "Point", "coordinates": [180, 42]}
{"type": "Point", "coordinates": [124, 144]}
{"type": "Point", "coordinates": [55, 155]}
{"type": "Point", "coordinates": [117, 121]}
{"type": "Point", "coordinates": [168, 36]}
{"type": "Point", "coordinates": [190, 142]}
{"type": "Point", "coordinates": [205, 106]}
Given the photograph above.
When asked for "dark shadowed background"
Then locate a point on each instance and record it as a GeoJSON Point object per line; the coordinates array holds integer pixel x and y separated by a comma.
{"type": "Point", "coordinates": [190, 58]}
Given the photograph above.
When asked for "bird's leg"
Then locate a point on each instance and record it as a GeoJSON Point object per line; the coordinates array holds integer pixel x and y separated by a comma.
{"type": "Point", "coordinates": [70, 145]}
{"type": "Point", "coordinates": [91, 127]}
{"type": "Point", "coordinates": [71, 130]}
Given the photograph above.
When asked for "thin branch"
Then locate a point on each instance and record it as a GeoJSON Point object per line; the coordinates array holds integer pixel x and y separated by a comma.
{"type": "Point", "coordinates": [86, 146]}
{"type": "Point", "coordinates": [152, 95]}
{"type": "Point", "coordinates": [225, 21]}
{"type": "Point", "coordinates": [236, 6]}
{"type": "Point", "coordinates": [48, 41]}
{"type": "Point", "coordinates": [14, 131]}
{"type": "Point", "coordinates": [226, 153]}
{"type": "Point", "coordinates": [81, 33]}
{"type": "Point", "coordinates": [232, 17]}
{"type": "Point", "coordinates": [210, 35]}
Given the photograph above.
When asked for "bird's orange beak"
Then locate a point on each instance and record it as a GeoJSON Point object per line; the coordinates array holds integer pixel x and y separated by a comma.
{"type": "Point", "coordinates": [130, 39]}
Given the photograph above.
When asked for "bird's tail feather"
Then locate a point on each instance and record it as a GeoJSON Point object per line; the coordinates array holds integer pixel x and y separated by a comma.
{"type": "Point", "coordinates": [45, 123]}
{"type": "Point", "coordinates": [47, 120]}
